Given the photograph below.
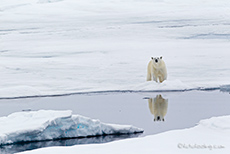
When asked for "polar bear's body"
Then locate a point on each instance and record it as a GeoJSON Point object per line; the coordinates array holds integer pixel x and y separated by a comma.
{"type": "Point", "coordinates": [158, 107]}
{"type": "Point", "coordinates": [156, 70]}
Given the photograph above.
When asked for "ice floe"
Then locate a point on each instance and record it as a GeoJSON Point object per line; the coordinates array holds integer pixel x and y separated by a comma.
{"type": "Point", "coordinates": [49, 124]}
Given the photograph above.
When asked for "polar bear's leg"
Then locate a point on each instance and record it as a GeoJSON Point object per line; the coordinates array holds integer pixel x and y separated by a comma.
{"type": "Point", "coordinates": [149, 76]}
{"type": "Point", "coordinates": [154, 77]}
{"type": "Point", "coordinates": [149, 71]}
{"type": "Point", "coordinates": [150, 101]}
{"type": "Point", "coordinates": [161, 79]}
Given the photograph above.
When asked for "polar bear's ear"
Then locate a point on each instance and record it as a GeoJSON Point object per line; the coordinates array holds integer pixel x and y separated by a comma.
{"type": "Point", "coordinates": [161, 57]}
{"type": "Point", "coordinates": [151, 57]}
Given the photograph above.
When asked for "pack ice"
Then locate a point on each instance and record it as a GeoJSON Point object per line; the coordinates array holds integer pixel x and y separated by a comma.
{"type": "Point", "coordinates": [48, 125]}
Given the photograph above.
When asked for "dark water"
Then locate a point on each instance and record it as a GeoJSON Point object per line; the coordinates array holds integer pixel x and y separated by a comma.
{"type": "Point", "coordinates": [178, 109]}
{"type": "Point", "coordinates": [19, 147]}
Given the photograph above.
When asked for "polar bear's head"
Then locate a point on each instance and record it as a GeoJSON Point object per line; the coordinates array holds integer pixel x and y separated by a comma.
{"type": "Point", "coordinates": [156, 61]}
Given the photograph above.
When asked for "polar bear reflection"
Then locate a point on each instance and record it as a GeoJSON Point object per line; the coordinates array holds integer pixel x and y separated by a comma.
{"type": "Point", "coordinates": [158, 107]}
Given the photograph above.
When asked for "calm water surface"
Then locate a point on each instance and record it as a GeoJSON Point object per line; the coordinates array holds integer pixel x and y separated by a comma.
{"type": "Point", "coordinates": [178, 109]}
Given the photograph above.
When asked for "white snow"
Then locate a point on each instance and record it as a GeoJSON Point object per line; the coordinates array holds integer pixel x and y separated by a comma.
{"type": "Point", "coordinates": [49, 124]}
{"type": "Point", "coordinates": [53, 47]}
{"type": "Point", "coordinates": [209, 136]}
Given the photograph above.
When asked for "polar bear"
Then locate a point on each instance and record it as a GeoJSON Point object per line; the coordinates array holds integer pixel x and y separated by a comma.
{"type": "Point", "coordinates": [158, 106]}
{"type": "Point", "coordinates": [156, 70]}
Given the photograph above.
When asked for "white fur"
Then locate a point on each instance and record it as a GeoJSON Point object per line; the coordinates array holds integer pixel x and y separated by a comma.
{"type": "Point", "coordinates": [158, 107]}
{"type": "Point", "coordinates": [156, 71]}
